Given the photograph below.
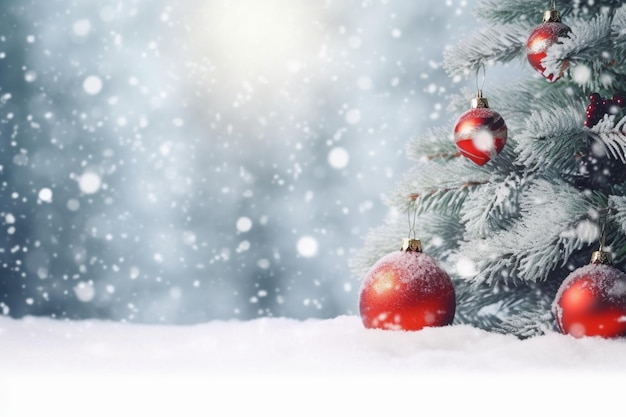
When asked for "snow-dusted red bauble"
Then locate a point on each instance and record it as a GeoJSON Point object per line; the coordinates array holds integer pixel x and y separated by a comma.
{"type": "Point", "coordinates": [592, 302]}
{"type": "Point", "coordinates": [480, 133]}
{"type": "Point", "coordinates": [406, 290]}
{"type": "Point", "coordinates": [543, 37]}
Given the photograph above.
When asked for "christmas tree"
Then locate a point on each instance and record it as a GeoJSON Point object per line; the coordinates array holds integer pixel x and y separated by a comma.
{"type": "Point", "coordinates": [510, 229]}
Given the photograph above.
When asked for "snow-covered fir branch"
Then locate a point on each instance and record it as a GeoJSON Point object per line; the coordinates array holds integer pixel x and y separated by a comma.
{"type": "Point", "coordinates": [512, 11]}
{"type": "Point", "coordinates": [499, 43]}
{"type": "Point", "coordinates": [528, 323]}
{"type": "Point", "coordinates": [619, 35]}
{"type": "Point", "coordinates": [552, 137]}
{"type": "Point", "coordinates": [547, 233]}
{"type": "Point", "coordinates": [619, 30]}
{"type": "Point", "coordinates": [616, 229]}
{"type": "Point", "coordinates": [618, 207]}
{"type": "Point", "coordinates": [515, 99]}
{"type": "Point", "coordinates": [439, 184]}
{"type": "Point", "coordinates": [437, 143]}
{"type": "Point", "coordinates": [610, 138]}
{"type": "Point", "coordinates": [491, 207]}
{"type": "Point", "coordinates": [505, 309]}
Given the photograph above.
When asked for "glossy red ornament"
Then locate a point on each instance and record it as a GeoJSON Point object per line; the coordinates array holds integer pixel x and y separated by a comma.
{"type": "Point", "coordinates": [406, 290]}
{"type": "Point", "coordinates": [480, 133]}
{"type": "Point", "coordinates": [592, 302]}
{"type": "Point", "coordinates": [542, 38]}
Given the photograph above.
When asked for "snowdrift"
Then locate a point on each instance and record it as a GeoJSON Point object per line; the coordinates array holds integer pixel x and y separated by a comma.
{"type": "Point", "coordinates": [276, 366]}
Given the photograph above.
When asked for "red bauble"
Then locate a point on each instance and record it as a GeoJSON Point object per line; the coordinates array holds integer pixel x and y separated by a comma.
{"type": "Point", "coordinates": [592, 302]}
{"type": "Point", "coordinates": [406, 290]}
{"type": "Point", "coordinates": [480, 134]}
{"type": "Point", "coordinates": [543, 37]}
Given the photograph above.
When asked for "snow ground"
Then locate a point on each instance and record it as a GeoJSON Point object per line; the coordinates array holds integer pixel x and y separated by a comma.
{"type": "Point", "coordinates": [276, 366]}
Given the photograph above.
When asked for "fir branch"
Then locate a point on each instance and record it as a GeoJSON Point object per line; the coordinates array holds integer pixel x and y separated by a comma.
{"type": "Point", "coordinates": [611, 137]}
{"type": "Point", "coordinates": [515, 100]}
{"type": "Point", "coordinates": [553, 137]}
{"type": "Point", "coordinates": [491, 207]}
{"type": "Point", "coordinates": [440, 234]}
{"type": "Point", "coordinates": [511, 11]}
{"type": "Point", "coordinates": [529, 252]}
{"type": "Point", "coordinates": [563, 224]}
{"type": "Point", "coordinates": [449, 200]}
{"type": "Point", "coordinates": [499, 43]}
{"type": "Point", "coordinates": [436, 175]}
{"type": "Point", "coordinates": [619, 16]}
{"type": "Point", "coordinates": [618, 28]}
{"type": "Point", "coordinates": [523, 310]}
{"type": "Point", "coordinates": [616, 236]}
{"type": "Point", "coordinates": [446, 200]}
{"type": "Point", "coordinates": [436, 144]}
{"type": "Point", "coordinates": [528, 324]}
{"type": "Point", "coordinates": [460, 102]}
{"type": "Point", "coordinates": [439, 184]}
{"type": "Point", "coordinates": [618, 210]}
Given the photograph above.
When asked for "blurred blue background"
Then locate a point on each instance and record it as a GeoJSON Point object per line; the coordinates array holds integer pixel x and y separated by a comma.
{"type": "Point", "coordinates": [178, 161]}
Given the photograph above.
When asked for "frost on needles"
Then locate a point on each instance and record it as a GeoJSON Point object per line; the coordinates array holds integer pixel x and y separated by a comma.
{"type": "Point", "coordinates": [510, 231]}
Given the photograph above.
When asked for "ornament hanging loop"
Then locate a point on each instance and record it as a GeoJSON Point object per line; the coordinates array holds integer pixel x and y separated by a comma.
{"type": "Point", "coordinates": [479, 89]}
{"type": "Point", "coordinates": [412, 243]}
{"type": "Point", "coordinates": [412, 218]}
{"type": "Point", "coordinates": [552, 15]}
{"type": "Point", "coordinates": [480, 101]}
{"type": "Point", "coordinates": [603, 240]}
{"type": "Point", "coordinates": [601, 256]}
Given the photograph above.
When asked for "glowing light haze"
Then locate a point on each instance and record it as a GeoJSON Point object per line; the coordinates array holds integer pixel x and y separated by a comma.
{"type": "Point", "coordinates": [174, 161]}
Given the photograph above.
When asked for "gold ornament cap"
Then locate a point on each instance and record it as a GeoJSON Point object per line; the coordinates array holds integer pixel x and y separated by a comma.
{"type": "Point", "coordinates": [600, 257]}
{"type": "Point", "coordinates": [480, 102]}
{"type": "Point", "coordinates": [551, 16]}
{"type": "Point", "coordinates": [411, 245]}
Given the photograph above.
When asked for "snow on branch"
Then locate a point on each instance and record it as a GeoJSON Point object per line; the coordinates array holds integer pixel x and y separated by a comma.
{"type": "Point", "coordinates": [523, 312]}
{"type": "Point", "coordinates": [552, 137]}
{"type": "Point", "coordinates": [618, 207]}
{"type": "Point", "coordinates": [514, 98]}
{"type": "Point", "coordinates": [498, 43]}
{"type": "Point", "coordinates": [439, 184]}
{"type": "Point", "coordinates": [491, 207]}
{"type": "Point", "coordinates": [611, 137]}
{"type": "Point", "coordinates": [616, 227]}
{"type": "Point", "coordinates": [619, 24]}
{"type": "Point", "coordinates": [552, 226]}
{"type": "Point", "coordinates": [509, 11]}
{"type": "Point", "coordinates": [436, 144]}
{"type": "Point", "coordinates": [526, 324]}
